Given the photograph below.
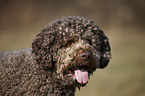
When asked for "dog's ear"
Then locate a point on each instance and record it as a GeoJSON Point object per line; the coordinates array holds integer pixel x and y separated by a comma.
{"type": "Point", "coordinates": [43, 49]}
{"type": "Point", "coordinates": [105, 50]}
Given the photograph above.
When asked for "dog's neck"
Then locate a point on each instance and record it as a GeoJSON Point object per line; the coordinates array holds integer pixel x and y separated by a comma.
{"type": "Point", "coordinates": [59, 90]}
{"type": "Point", "coordinates": [53, 86]}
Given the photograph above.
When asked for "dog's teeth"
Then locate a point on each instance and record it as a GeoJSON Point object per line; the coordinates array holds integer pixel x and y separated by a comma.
{"type": "Point", "coordinates": [69, 74]}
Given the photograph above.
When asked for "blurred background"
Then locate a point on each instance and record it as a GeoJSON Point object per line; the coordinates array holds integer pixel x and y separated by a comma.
{"type": "Point", "coordinates": [123, 21]}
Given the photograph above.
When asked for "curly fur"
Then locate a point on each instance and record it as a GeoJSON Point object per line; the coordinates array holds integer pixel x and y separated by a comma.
{"type": "Point", "coordinates": [45, 69]}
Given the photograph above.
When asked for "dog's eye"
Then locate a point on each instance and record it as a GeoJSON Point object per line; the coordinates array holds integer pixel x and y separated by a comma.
{"type": "Point", "coordinates": [70, 42]}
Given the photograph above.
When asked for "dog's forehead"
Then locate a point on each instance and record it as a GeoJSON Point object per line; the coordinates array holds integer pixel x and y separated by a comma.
{"type": "Point", "coordinates": [75, 33]}
{"type": "Point", "coordinates": [74, 26]}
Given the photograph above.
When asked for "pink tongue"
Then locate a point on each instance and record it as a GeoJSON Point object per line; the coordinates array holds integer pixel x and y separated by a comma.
{"type": "Point", "coordinates": [81, 76]}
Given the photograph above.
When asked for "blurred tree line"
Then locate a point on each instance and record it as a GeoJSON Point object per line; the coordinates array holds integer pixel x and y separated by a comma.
{"type": "Point", "coordinates": [19, 13]}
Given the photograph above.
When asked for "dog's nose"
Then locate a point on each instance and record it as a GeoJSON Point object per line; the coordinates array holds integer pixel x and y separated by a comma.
{"type": "Point", "coordinates": [85, 56]}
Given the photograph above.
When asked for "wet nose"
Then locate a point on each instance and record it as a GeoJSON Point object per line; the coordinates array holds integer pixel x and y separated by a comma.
{"type": "Point", "coordinates": [85, 56]}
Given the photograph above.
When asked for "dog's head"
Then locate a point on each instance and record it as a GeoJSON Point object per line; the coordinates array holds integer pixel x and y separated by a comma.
{"type": "Point", "coordinates": [72, 47]}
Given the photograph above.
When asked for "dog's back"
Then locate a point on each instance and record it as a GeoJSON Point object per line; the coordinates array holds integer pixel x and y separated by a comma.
{"type": "Point", "coordinates": [14, 67]}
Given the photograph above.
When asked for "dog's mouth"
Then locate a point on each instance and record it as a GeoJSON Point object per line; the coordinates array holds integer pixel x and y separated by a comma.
{"type": "Point", "coordinates": [79, 73]}
{"type": "Point", "coordinates": [81, 76]}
